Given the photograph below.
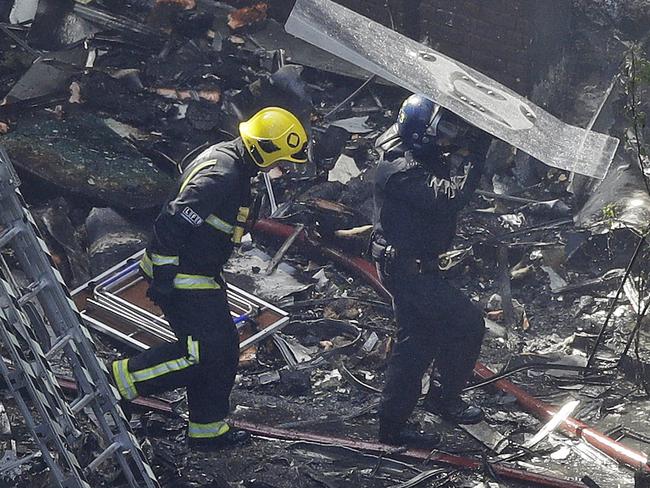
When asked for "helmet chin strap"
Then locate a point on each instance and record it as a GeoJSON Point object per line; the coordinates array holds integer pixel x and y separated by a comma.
{"type": "Point", "coordinates": [248, 159]}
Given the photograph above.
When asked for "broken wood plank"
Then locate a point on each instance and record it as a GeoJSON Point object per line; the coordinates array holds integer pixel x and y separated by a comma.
{"type": "Point", "coordinates": [504, 285]}
{"type": "Point", "coordinates": [284, 248]}
{"type": "Point", "coordinates": [486, 435]}
{"type": "Point", "coordinates": [353, 232]}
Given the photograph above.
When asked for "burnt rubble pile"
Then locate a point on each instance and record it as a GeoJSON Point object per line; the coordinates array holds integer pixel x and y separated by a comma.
{"type": "Point", "coordinates": [103, 100]}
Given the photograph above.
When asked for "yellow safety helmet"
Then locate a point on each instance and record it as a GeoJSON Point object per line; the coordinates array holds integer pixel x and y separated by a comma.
{"type": "Point", "coordinates": [274, 134]}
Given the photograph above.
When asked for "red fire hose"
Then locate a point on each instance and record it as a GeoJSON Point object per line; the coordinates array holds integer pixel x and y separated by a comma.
{"type": "Point", "coordinates": [359, 266]}
{"type": "Point", "coordinates": [571, 426]}
{"type": "Point", "coordinates": [365, 270]}
{"type": "Point", "coordinates": [511, 473]}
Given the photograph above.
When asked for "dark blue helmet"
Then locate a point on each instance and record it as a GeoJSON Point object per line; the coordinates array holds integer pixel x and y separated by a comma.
{"type": "Point", "coordinates": [417, 121]}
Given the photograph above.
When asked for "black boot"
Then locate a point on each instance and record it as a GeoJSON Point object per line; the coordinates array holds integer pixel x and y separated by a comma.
{"type": "Point", "coordinates": [454, 410]}
{"type": "Point", "coordinates": [407, 435]}
{"type": "Point", "coordinates": [231, 438]}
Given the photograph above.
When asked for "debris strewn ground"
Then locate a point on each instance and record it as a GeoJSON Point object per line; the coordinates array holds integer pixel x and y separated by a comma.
{"type": "Point", "coordinates": [102, 101]}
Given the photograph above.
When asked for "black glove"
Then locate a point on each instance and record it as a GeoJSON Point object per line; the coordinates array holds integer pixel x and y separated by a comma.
{"type": "Point", "coordinates": [162, 284]}
{"type": "Point", "coordinates": [478, 141]}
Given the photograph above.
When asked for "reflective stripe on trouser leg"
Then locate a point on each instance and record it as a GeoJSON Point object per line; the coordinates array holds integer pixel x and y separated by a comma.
{"type": "Point", "coordinates": [206, 431]}
{"type": "Point", "coordinates": [124, 380]}
{"type": "Point", "coordinates": [208, 391]}
{"type": "Point", "coordinates": [170, 366]}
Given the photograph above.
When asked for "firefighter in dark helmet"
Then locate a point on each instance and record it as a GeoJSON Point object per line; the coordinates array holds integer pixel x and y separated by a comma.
{"type": "Point", "coordinates": [417, 201]}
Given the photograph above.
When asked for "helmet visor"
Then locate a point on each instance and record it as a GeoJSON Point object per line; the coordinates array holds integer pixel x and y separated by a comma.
{"type": "Point", "coordinates": [432, 128]}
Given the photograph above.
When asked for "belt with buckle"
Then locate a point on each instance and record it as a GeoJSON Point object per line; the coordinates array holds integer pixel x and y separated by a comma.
{"type": "Point", "coordinates": [391, 261]}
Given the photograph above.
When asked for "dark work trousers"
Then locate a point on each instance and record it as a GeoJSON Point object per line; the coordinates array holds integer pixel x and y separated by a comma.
{"type": "Point", "coordinates": [434, 321]}
{"type": "Point", "coordinates": [204, 359]}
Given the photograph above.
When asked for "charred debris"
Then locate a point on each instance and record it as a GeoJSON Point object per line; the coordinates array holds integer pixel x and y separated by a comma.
{"type": "Point", "coordinates": [102, 100]}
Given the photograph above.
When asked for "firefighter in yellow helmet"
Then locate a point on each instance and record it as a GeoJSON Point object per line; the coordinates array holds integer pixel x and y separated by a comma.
{"type": "Point", "coordinates": [193, 236]}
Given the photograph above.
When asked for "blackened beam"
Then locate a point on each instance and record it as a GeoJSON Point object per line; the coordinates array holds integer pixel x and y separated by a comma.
{"type": "Point", "coordinates": [118, 22]}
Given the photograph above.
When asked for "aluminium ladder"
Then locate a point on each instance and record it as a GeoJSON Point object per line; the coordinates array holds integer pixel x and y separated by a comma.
{"type": "Point", "coordinates": [40, 322]}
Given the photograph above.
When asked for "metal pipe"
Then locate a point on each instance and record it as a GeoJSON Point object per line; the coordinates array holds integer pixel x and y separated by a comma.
{"type": "Point", "coordinates": [245, 306]}
{"type": "Point", "coordinates": [269, 191]}
{"type": "Point", "coordinates": [156, 331]}
{"type": "Point", "coordinates": [121, 274]}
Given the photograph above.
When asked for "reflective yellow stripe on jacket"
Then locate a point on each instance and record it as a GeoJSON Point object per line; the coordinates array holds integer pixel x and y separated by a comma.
{"type": "Point", "coordinates": [146, 265]}
{"type": "Point", "coordinates": [219, 224]}
{"type": "Point", "coordinates": [240, 228]}
{"type": "Point", "coordinates": [182, 281]}
{"type": "Point", "coordinates": [195, 282]}
{"type": "Point", "coordinates": [194, 171]}
{"type": "Point", "coordinates": [161, 260]}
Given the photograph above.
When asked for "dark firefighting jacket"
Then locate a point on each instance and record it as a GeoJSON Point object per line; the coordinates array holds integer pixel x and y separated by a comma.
{"type": "Point", "coordinates": [204, 218]}
{"type": "Point", "coordinates": [417, 200]}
